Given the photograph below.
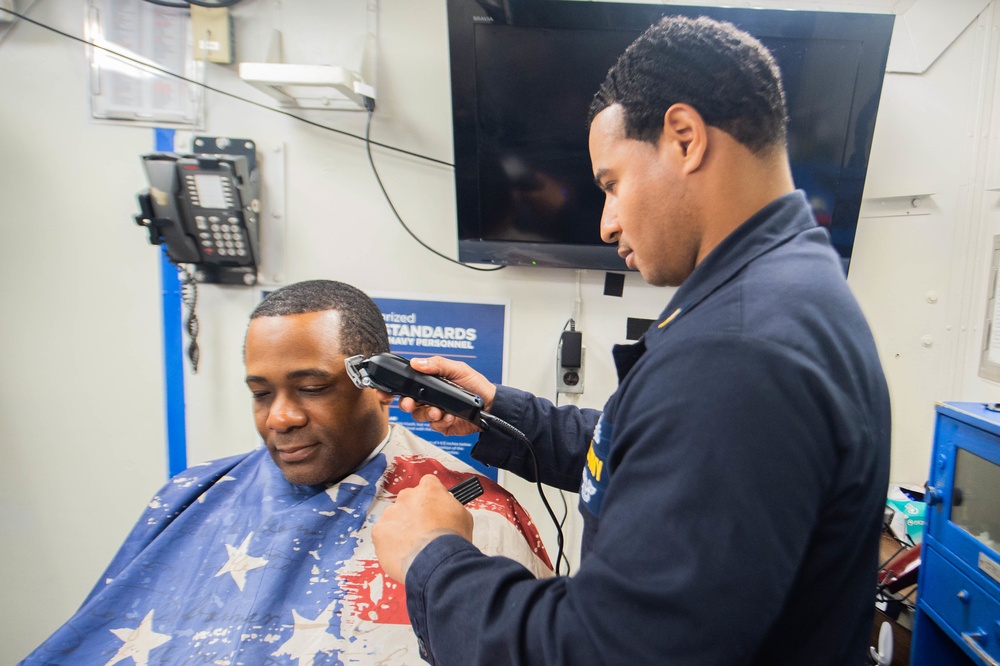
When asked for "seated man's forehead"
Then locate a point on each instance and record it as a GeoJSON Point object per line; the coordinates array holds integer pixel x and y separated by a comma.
{"type": "Point", "coordinates": [324, 325]}
{"type": "Point", "coordinates": [292, 342]}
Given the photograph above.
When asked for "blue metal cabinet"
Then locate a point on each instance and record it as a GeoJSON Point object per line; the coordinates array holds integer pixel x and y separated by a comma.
{"type": "Point", "coordinates": [957, 618]}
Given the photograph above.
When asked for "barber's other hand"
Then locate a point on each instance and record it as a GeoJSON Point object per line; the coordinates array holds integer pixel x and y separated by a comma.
{"type": "Point", "coordinates": [419, 515]}
{"type": "Point", "coordinates": [459, 373]}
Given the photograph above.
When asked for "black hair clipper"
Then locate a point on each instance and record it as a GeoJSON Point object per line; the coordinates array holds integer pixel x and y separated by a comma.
{"type": "Point", "coordinates": [392, 374]}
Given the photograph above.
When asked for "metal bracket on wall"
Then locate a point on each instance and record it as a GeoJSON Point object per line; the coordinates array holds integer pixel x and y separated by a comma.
{"type": "Point", "coordinates": [327, 87]}
{"type": "Point", "coordinates": [273, 218]}
{"type": "Point", "coordinates": [905, 206]}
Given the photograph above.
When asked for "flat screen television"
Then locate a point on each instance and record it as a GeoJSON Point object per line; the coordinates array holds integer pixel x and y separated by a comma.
{"type": "Point", "coordinates": [523, 73]}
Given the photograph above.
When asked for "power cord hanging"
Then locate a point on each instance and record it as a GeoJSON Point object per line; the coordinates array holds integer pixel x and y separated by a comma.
{"type": "Point", "coordinates": [492, 422]}
{"type": "Point", "coordinates": [562, 495]}
{"type": "Point", "coordinates": [562, 524]}
{"type": "Point", "coordinates": [370, 105]}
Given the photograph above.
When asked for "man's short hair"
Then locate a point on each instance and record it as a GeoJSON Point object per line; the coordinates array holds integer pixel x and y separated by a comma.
{"type": "Point", "coordinates": [728, 76]}
{"type": "Point", "coordinates": [362, 327]}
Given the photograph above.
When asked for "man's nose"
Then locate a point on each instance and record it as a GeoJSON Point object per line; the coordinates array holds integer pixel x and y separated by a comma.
{"type": "Point", "coordinates": [610, 231]}
{"type": "Point", "coordinates": [284, 415]}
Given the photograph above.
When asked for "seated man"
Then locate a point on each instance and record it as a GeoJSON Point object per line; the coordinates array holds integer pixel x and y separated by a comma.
{"type": "Point", "coordinates": [266, 557]}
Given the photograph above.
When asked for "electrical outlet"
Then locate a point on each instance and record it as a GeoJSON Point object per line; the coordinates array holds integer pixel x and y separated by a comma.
{"type": "Point", "coordinates": [569, 379]}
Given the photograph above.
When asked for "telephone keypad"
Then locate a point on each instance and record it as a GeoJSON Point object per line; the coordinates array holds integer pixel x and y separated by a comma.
{"type": "Point", "coordinates": [222, 234]}
{"type": "Point", "coordinates": [220, 230]}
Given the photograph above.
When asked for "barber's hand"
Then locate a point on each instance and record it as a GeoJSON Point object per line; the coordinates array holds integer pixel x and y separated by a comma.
{"type": "Point", "coordinates": [459, 373]}
{"type": "Point", "coordinates": [419, 515]}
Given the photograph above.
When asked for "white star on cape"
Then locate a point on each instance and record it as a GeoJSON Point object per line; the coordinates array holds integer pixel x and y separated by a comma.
{"type": "Point", "coordinates": [309, 637]}
{"type": "Point", "coordinates": [138, 642]}
{"type": "Point", "coordinates": [240, 562]}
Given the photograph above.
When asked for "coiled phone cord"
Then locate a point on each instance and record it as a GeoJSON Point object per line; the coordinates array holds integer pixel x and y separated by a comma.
{"type": "Point", "coordinates": [189, 296]}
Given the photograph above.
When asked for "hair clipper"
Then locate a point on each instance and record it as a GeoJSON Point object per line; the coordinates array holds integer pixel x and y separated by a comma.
{"type": "Point", "coordinates": [392, 374]}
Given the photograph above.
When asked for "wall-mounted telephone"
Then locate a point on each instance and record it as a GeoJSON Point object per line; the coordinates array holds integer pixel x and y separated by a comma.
{"type": "Point", "coordinates": [204, 208]}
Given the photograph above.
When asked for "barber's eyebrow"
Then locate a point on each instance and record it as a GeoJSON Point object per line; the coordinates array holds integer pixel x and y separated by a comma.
{"type": "Point", "coordinates": [297, 374]}
{"type": "Point", "coordinates": [598, 177]}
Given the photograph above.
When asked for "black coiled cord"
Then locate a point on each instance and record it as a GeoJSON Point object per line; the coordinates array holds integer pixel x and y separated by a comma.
{"type": "Point", "coordinates": [189, 296]}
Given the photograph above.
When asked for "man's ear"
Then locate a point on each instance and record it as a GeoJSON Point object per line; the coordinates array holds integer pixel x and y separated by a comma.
{"type": "Point", "coordinates": [385, 398]}
{"type": "Point", "coordinates": [685, 132]}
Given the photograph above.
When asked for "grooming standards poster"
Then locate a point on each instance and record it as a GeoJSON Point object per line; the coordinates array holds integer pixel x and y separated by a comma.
{"type": "Point", "coordinates": [475, 333]}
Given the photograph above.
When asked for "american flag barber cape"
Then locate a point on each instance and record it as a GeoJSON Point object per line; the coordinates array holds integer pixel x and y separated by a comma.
{"type": "Point", "coordinates": [232, 564]}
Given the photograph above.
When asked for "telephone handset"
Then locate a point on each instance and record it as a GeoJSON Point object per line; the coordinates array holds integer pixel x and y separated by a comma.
{"type": "Point", "coordinates": [204, 208]}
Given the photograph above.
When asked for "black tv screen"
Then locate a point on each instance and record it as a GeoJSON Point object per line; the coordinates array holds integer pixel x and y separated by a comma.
{"type": "Point", "coordinates": [523, 73]}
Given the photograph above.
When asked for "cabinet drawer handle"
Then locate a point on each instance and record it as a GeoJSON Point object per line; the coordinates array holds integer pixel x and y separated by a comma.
{"type": "Point", "coordinates": [970, 640]}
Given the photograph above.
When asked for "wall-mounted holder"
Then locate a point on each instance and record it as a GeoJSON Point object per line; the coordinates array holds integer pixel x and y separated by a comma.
{"type": "Point", "coordinates": [326, 87]}
{"type": "Point", "coordinates": [309, 86]}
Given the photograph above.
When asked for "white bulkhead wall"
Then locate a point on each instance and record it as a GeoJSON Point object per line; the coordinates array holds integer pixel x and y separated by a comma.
{"type": "Point", "coordinates": [81, 374]}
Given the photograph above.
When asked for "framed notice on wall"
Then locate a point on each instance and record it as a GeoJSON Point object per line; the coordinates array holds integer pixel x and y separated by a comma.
{"type": "Point", "coordinates": [475, 333]}
{"type": "Point", "coordinates": [989, 358]}
{"type": "Point", "coordinates": [142, 70]}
